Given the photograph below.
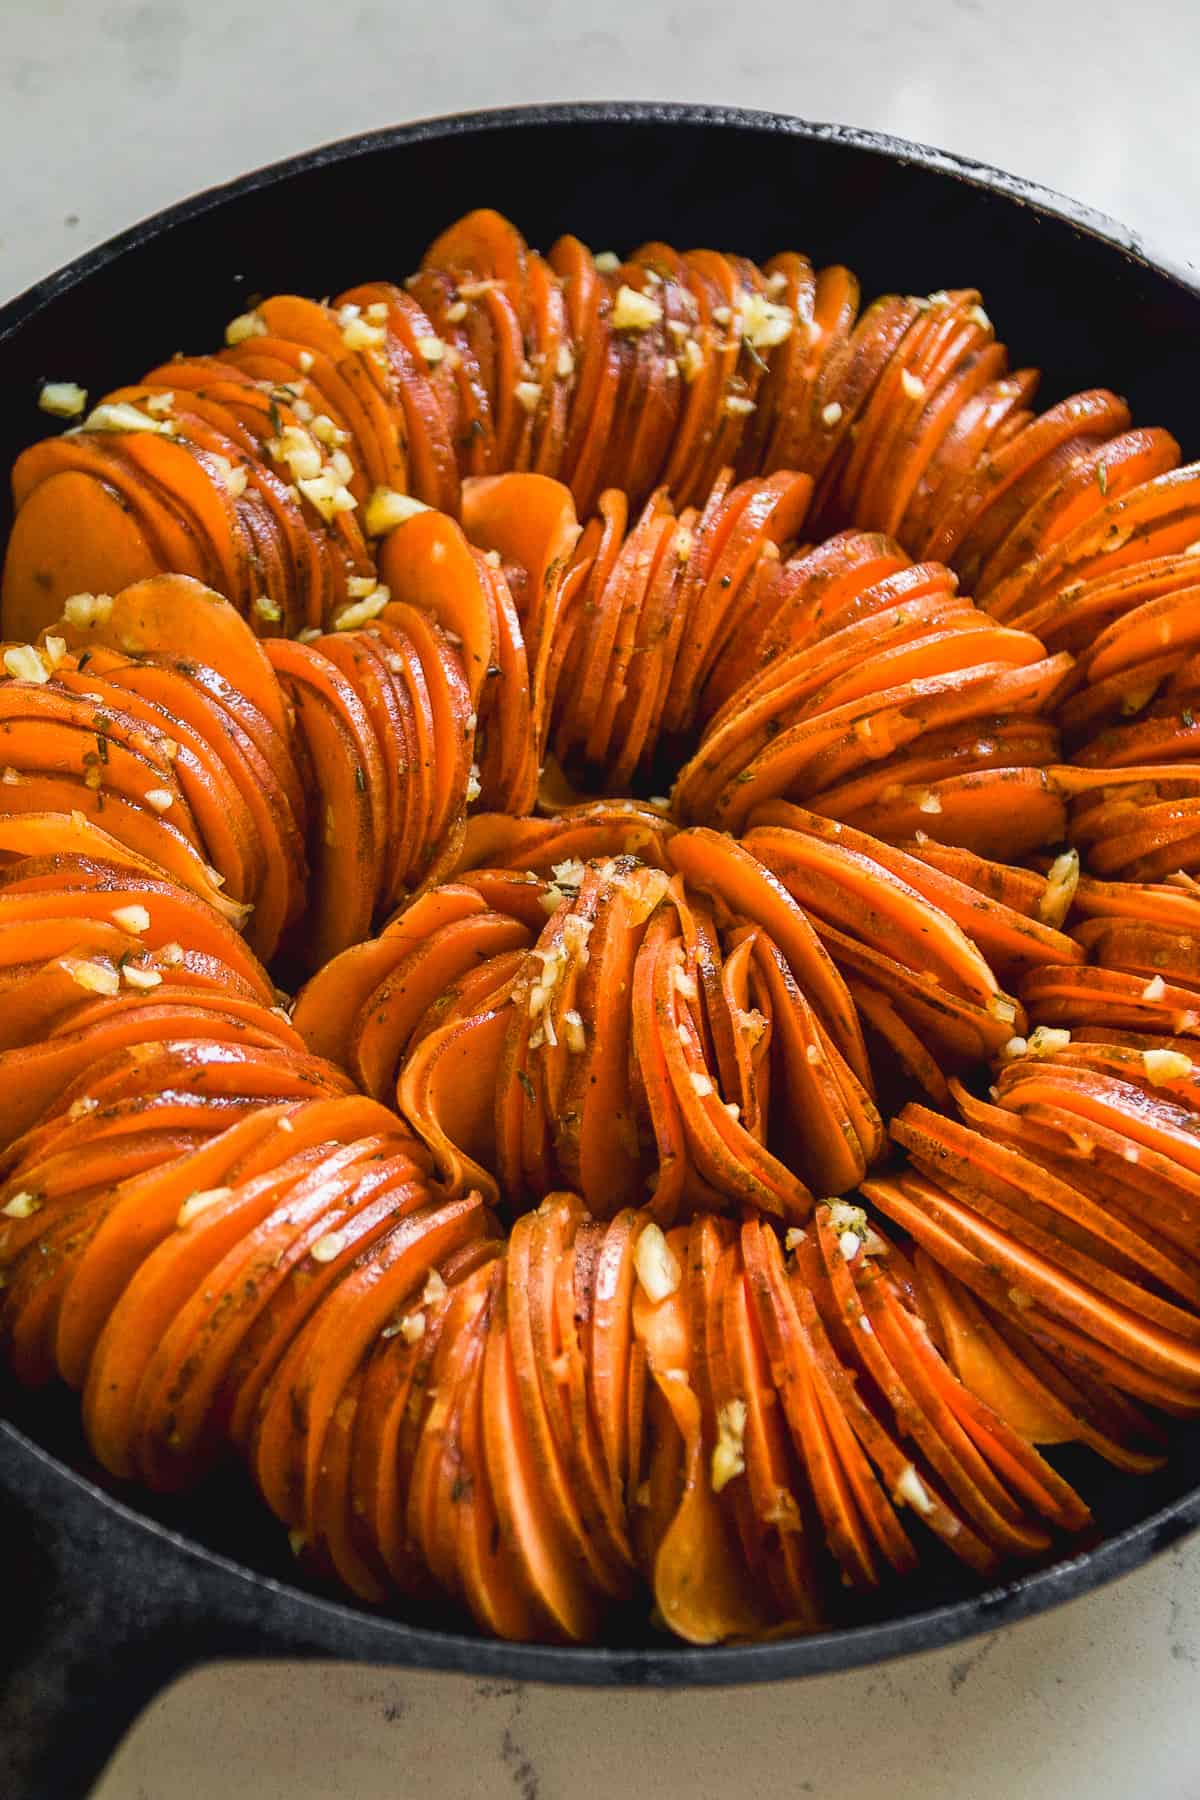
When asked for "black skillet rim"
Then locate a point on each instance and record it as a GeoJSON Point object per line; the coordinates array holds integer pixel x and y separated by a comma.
{"type": "Point", "coordinates": [228, 1609]}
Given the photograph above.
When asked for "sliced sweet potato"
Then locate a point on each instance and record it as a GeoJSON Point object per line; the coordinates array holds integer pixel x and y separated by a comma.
{"type": "Point", "coordinates": [721, 867]}
{"type": "Point", "coordinates": [45, 564]}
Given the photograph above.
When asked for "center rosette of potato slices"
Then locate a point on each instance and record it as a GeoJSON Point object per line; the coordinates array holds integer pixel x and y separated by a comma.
{"type": "Point", "coordinates": [702, 1021]}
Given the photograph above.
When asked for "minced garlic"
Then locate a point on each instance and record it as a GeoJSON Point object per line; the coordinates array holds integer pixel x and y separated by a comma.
{"type": "Point", "coordinates": [729, 1451]}
{"type": "Point", "coordinates": [912, 1489]}
{"type": "Point", "coordinates": [386, 509]}
{"type": "Point", "coordinates": [329, 1246]}
{"type": "Point", "coordinates": [634, 311]}
{"type": "Point", "coordinates": [1061, 883]}
{"type": "Point", "coordinates": [133, 919]}
{"type": "Point", "coordinates": [200, 1202]}
{"type": "Point", "coordinates": [359, 612]}
{"type": "Point", "coordinates": [1165, 1065]}
{"type": "Point", "coordinates": [358, 335]}
{"type": "Point", "coordinates": [86, 610]}
{"type": "Point", "coordinates": [24, 664]}
{"type": "Point", "coordinates": [409, 1326]}
{"type": "Point", "coordinates": [764, 324]}
{"type": "Point", "coordinates": [329, 495]}
{"type": "Point", "coordinates": [569, 873]}
{"type": "Point", "coordinates": [92, 975]}
{"type": "Point", "coordinates": [656, 1264]}
{"type": "Point", "coordinates": [21, 1206]}
{"type": "Point", "coordinates": [246, 325]}
{"type": "Point", "coordinates": [119, 415]}
{"type": "Point", "coordinates": [64, 399]}
{"type": "Point", "coordinates": [691, 359]}
{"type": "Point", "coordinates": [141, 979]}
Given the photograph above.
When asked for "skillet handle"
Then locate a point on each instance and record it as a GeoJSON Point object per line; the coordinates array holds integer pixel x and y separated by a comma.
{"type": "Point", "coordinates": [98, 1613]}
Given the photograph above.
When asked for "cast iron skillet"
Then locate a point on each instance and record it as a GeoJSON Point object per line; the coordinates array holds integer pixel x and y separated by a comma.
{"type": "Point", "coordinates": [106, 1596]}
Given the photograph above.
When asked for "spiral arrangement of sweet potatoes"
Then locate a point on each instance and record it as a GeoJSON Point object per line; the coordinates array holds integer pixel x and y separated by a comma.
{"type": "Point", "coordinates": [738, 1106]}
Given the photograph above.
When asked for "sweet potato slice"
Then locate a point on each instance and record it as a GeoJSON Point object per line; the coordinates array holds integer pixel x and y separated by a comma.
{"type": "Point", "coordinates": [60, 812]}
{"type": "Point", "coordinates": [391, 1012]}
{"type": "Point", "coordinates": [174, 536]}
{"type": "Point", "coordinates": [489, 1573]}
{"type": "Point", "coordinates": [526, 1522]}
{"type": "Point", "coordinates": [240, 805]}
{"type": "Point", "coordinates": [1001, 813]}
{"type": "Point", "coordinates": [1015, 1461]}
{"type": "Point", "coordinates": [595, 1133]}
{"type": "Point", "coordinates": [729, 1158]}
{"type": "Point", "coordinates": [561, 1320]}
{"type": "Point", "coordinates": [529, 1371]}
{"type": "Point", "coordinates": [1061, 1222]}
{"type": "Point", "coordinates": [344, 847]}
{"type": "Point", "coordinates": [805, 604]}
{"type": "Point", "coordinates": [1096, 413]}
{"type": "Point", "coordinates": [184, 1400]}
{"type": "Point", "coordinates": [772, 1473]}
{"type": "Point", "coordinates": [427, 561]}
{"type": "Point", "coordinates": [447, 1091]}
{"type": "Point", "coordinates": [832, 1458]}
{"type": "Point", "coordinates": [820, 1136]}
{"type": "Point", "coordinates": [851, 890]}
{"type": "Point", "coordinates": [435, 1487]}
{"type": "Point", "coordinates": [420, 388]}
{"type": "Point", "coordinates": [699, 1585]}
{"type": "Point", "coordinates": [159, 1291]}
{"type": "Point", "coordinates": [598, 828]}
{"type": "Point", "coordinates": [719, 866]}
{"type": "Point", "coordinates": [1164, 1364]}
{"type": "Point", "coordinates": [887, 1352]}
{"type": "Point", "coordinates": [451, 712]}
{"type": "Point", "coordinates": [312, 1373]}
{"type": "Point", "coordinates": [326, 1006]}
{"type": "Point", "coordinates": [1009, 938]}
{"type": "Point", "coordinates": [984, 1363]}
{"type": "Point", "coordinates": [1094, 474]}
{"type": "Point", "coordinates": [1155, 520]}
{"type": "Point", "coordinates": [817, 1300]}
{"type": "Point", "coordinates": [767, 521]}
{"type": "Point", "coordinates": [253, 750]}
{"type": "Point", "coordinates": [44, 565]}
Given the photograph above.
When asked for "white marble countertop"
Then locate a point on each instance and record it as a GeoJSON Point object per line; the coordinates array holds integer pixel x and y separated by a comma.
{"type": "Point", "coordinates": [110, 109]}
{"type": "Point", "coordinates": [1096, 1700]}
